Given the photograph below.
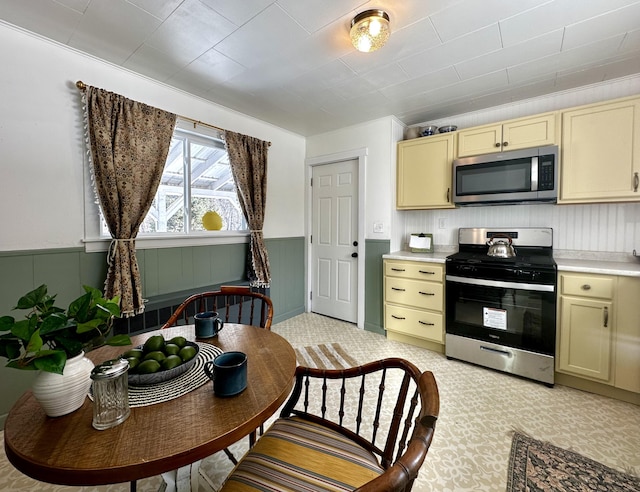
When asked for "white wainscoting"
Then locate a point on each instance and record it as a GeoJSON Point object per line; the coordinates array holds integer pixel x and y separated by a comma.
{"type": "Point", "coordinates": [597, 227]}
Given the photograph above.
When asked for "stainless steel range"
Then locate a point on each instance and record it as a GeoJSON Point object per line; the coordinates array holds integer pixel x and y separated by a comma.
{"type": "Point", "coordinates": [501, 309]}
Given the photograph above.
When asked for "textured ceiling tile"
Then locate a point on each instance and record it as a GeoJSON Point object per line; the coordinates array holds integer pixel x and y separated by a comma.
{"type": "Point", "coordinates": [472, 15]}
{"type": "Point", "coordinates": [113, 30]}
{"type": "Point", "coordinates": [473, 45]}
{"type": "Point", "coordinates": [270, 32]}
{"type": "Point", "coordinates": [192, 30]}
{"type": "Point", "coordinates": [238, 12]}
{"type": "Point", "coordinates": [544, 45]}
{"type": "Point", "coordinates": [602, 27]}
{"type": "Point", "coordinates": [313, 15]}
{"type": "Point", "coordinates": [161, 10]}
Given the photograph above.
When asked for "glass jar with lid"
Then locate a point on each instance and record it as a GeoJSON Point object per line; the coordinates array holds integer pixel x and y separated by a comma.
{"type": "Point", "coordinates": [110, 393]}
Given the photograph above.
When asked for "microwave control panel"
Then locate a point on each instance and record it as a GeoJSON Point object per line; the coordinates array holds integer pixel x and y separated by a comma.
{"type": "Point", "coordinates": [546, 173]}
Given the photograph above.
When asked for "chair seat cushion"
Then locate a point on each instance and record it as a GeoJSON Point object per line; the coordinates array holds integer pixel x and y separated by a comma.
{"type": "Point", "coordinates": [296, 455]}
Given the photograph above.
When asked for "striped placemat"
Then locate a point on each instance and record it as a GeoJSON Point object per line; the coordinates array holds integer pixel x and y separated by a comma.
{"type": "Point", "coordinates": [140, 396]}
{"type": "Point", "coordinates": [325, 356]}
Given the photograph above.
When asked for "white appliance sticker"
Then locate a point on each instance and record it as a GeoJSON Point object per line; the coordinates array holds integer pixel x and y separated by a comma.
{"type": "Point", "coordinates": [495, 318]}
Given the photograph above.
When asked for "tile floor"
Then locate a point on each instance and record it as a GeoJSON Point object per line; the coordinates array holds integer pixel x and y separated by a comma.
{"type": "Point", "coordinates": [479, 409]}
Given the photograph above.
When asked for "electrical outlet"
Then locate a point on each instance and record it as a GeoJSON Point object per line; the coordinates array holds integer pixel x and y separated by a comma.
{"type": "Point", "coordinates": [442, 223]}
{"type": "Point", "coordinates": [378, 227]}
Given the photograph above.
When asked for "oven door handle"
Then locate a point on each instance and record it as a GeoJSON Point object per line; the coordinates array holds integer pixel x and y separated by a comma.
{"type": "Point", "coordinates": [504, 285]}
{"type": "Point", "coordinates": [506, 353]}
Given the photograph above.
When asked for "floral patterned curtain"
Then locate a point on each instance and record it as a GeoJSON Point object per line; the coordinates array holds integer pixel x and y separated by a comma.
{"type": "Point", "coordinates": [248, 159]}
{"type": "Point", "coordinates": [129, 142]}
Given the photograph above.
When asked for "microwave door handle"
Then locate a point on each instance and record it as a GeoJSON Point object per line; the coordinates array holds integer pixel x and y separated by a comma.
{"type": "Point", "coordinates": [534, 173]}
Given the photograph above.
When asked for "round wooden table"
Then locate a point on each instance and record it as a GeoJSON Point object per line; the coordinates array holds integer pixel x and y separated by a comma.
{"type": "Point", "coordinates": [157, 438]}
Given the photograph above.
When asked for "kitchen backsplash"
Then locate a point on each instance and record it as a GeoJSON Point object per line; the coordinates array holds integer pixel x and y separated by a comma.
{"type": "Point", "coordinates": [611, 228]}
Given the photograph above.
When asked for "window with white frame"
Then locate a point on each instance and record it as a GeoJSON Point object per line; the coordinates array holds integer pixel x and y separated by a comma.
{"type": "Point", "coordinates": [196, 184]}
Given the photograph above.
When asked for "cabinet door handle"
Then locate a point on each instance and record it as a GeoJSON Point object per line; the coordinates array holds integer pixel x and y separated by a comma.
{"type": "Point", "coordinates": [606, 317]}
{"type": "Point", "coordinates": [448, 189]}
{"type": "Point", "coordinates": [398, 289]}
{"type": "Point", "coordinates": [425, 323]}
{"type": "Point", "coordinates": [636, 182]}
{"type": "Point", "coordinates": [586, 287]}
{"type": "Point", "coordinates": [504, 144]}
{"type": "Point", "coordinates": [498, 144]}
{"type": "Point", "coordinates": [397, 317]}
{"type": "Point", "coordinates": [427, 273]}
{"type": "Point", "coordinates": [426, 293]}
{"type": "Point", "coordinates": [397, 269]}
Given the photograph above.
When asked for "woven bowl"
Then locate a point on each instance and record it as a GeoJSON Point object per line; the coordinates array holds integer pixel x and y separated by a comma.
{"type": "Point", "coordinates": [162, 376]}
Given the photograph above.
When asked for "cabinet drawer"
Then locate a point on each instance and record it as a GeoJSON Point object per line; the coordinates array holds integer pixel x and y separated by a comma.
{"type": "Point", "coordinates": [415, 293]}
{"type": "Point", "coordinates": [413, 322]}
{"type": "Point", "coordinates": [587, 286]}
{"type": "Point", "coordinates": [414, 269]}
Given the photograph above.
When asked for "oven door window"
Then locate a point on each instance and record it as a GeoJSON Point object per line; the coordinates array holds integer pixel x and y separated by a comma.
{"type": "Point", "coordinates": [514, 317]}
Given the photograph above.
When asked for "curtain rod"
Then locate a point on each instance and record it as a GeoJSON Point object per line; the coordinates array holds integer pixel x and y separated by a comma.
{"type": "Point", "coordinates": [83, 87]}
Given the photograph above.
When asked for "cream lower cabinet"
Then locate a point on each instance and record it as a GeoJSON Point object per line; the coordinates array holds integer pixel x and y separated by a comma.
{"type": "Point", "coordinates": [599, 329]}
{"type": "Point", "coordinates": [627, 339]}
{"type": "Point", "coordinates": [508, 135]}
{"type": "Point", "coordinates": [414, 302]}
{"type": "Point", "coordinates": [600, 153]}
{"type": "Point", "coordinates": [424, 172]}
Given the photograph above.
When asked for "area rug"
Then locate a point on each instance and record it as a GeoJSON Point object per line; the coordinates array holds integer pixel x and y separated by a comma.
{"type": "Point", "coordinates": [539, 466]}
{"type": "Point", "coordinates": [325, 356]}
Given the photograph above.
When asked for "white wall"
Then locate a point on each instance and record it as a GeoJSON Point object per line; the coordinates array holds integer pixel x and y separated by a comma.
{"type": "Point", "coordinates": [613, 228]}
{"type": "Point", "coordinates": [42, 153]}
{"type": "Point", "coordinates": [379, 138]}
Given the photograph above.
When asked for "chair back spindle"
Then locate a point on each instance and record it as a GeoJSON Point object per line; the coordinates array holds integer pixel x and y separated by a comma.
{"type": "Point", "coordinates": [235, 304]}
{"type": "Point", "coordinates": [365, 424]}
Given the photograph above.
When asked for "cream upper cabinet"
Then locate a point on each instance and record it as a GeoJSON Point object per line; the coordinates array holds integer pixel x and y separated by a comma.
{"type": "Point", "coordinates": [515, 134]}
{"type": "Point", "coordinates": [601, 153]}
{"type": "Point", "coordinates": [424, 172]}
{"type": "Point", "coordinates": [599, 329]}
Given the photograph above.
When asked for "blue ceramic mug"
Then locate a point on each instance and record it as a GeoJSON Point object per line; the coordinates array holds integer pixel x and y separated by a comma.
{"type": "Point", "coordinates": [208, 324]}
{"type": "Point", "coordinates": [228, 371]}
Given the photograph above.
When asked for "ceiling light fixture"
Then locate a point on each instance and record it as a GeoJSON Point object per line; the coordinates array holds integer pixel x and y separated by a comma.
{"type": "Point", "coordinates": [370, 30]}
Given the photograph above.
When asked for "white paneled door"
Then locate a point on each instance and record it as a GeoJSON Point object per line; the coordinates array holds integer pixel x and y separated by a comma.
{"type": "Point", "coordinates": [334, 240]}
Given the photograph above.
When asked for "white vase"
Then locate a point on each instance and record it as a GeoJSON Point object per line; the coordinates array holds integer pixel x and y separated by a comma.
{"type": "Point", "coordinates": [60, 394]}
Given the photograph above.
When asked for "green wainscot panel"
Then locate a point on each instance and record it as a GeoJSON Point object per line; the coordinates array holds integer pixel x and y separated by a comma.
{"type": "Point", "coordinates": [287, 262]}
{"type": "Point", "coordinates": [374, 275]}
{"type": "Point", "coordinates": [164, 272]}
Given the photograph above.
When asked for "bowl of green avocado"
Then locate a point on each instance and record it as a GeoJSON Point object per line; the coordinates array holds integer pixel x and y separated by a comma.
{"type": "Point", "coordinates": [159, 360]}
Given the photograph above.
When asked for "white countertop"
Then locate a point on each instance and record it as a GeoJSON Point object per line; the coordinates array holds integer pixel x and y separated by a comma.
{"type": "Point", "coordinates": [435, 257]}
{"type": "Point", "coordinates": [592, 265]}
{"type": "Point", "coordinates": [624, 268]}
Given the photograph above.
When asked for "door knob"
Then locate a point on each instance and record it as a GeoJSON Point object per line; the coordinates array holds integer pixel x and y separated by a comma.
{"type": "Point", "coordinates": [355, 243]}
{"type": "Point", "coordinates": [354, 255]}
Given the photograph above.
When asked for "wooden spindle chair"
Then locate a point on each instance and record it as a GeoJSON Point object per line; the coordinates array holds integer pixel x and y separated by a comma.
{"type": "Point", "coordinates": [367, 428]}
{"type": "Point", "coordinates": [235, 304]}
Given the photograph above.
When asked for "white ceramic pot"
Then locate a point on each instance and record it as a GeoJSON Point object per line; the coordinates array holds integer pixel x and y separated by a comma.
{"type": "Point", "coordinates": [60, 394]}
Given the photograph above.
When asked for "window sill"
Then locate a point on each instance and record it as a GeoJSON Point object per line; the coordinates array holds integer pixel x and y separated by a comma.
{"type": "Point", "coordinates": [156, 242]}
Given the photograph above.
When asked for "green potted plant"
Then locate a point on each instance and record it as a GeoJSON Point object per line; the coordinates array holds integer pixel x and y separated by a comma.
{"type": "Point", "coordinates": [54, 340]}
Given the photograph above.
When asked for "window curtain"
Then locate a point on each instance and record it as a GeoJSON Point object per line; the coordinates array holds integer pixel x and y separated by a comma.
{"type": "Point", "coordinates": [128, 142]}
{"type": "Point", "coordinates": [248, 159]}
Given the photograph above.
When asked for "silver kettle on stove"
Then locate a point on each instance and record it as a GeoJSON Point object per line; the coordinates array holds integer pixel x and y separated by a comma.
{"type": "Point", "coordinates": [500, 248]}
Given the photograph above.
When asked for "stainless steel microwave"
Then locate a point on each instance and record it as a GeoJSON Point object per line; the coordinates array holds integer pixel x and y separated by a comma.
{"type": "Point", "coordinates": [517, 176]}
